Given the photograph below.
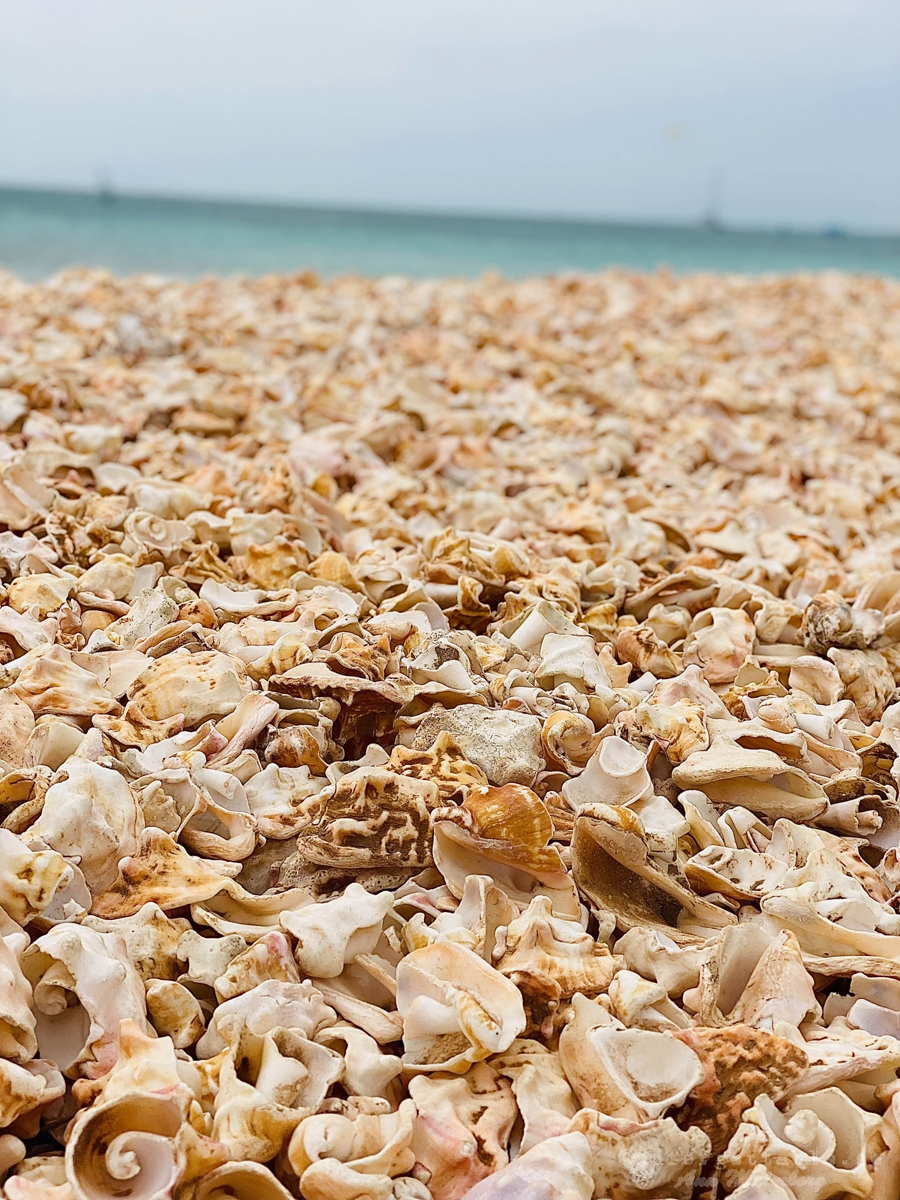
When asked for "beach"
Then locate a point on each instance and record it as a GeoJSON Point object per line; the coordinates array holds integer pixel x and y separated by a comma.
{"type": "Point", "coordinates": [449, 736]}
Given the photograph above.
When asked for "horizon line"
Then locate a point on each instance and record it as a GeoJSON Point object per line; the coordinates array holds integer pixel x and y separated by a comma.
{"type": "Point", "coordinates": [109, 194]}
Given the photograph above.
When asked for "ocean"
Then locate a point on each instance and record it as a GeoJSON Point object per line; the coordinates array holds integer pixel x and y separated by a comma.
{"type": "Point", "coordinates": [42, 232]}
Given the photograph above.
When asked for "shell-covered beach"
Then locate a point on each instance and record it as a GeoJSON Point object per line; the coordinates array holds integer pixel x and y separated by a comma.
{"type": "Point", "coordinates": [449, 738]}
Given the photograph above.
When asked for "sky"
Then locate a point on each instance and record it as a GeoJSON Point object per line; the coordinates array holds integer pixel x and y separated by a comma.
{"type": "Point", "coordinates": [764, 113]}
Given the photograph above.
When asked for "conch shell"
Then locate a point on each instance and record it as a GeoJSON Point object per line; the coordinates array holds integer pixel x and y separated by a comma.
{"type": "Point", "coordinates": [632, 1073]}
{"type": "Point", "coordinates": [818, 1144]}
{"type": "Point", "coordinates": [84, 986]}
{"type": "Point", "coordinates": [550, 959]}
{"type": "Point", "coordinates": [456, 1009]}
{"type": "Point", "coordinates": [503, 832]}
{"type": "Point", "coordinates": [556, 1169]}
{"type": "Point", "coordinates": [462, 1127]}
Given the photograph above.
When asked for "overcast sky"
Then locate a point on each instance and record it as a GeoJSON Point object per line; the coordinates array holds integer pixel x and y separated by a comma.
{"type": "Point", "coordinates": [773, 112]}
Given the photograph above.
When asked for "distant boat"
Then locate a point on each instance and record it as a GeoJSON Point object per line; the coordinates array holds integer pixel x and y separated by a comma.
{"type": "Point", "coordinates": [105, 191]}
{"type": "Point", "coordinates": [834, 231]}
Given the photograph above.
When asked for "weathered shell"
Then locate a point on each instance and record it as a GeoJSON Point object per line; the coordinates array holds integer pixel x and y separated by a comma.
{"type": "Point", "coordinates": [556, 1169]}
{"type": "Point", "coordinates": [456, 1009]}
{"type": "Point", "coordinates": [633, 1073]}
{"type": "Point", "coordinates": [505, 745]}
{"type": "Point", "coordinates": [818, 1144]}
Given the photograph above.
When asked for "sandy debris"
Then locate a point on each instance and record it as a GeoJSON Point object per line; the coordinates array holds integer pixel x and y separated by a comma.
{"type": "Point", "coordinates": [448, 738]}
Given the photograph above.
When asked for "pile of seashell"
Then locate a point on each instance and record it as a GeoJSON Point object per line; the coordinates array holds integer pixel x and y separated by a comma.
{"type": "Point", "coordinates": [449, 739]}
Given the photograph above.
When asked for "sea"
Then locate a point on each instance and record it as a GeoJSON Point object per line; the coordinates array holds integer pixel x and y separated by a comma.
{"type": "Point", "coordinates": [42, 232]}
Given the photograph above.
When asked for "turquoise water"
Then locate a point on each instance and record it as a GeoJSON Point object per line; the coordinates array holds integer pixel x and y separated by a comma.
{"type": "Point", "coordinates": [41, 232]}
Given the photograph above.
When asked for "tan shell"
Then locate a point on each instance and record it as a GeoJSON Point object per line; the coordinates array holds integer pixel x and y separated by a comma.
{"type": "Point", "coordinates": [496, 657]}
{"type": "Point", "coordinates": [375, 818]}
{"type": "Point", "coordinates": [454, 1113]}
{"type": "Point", "coordinates": [481, 1012]}
{"type": "Point", "coordinates": [549, 959]}
{"type": "Point", "coordinates": [613, 871]}
{"type": "Point", "coordinates": [517, 857]}
{"type": "Point", "coordinates": [505, 745]}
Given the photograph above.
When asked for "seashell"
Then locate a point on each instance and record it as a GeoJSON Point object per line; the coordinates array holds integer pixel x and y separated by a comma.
{"type": "Point", "coordinates": [270, 1005]}
{"type": "Point", "coordinates": [761, 1184]}
{"type": "Point", "coordinates": [50, 741]}
{"type": "Point", "coordinates": [568, 740]}
{"type": "Point", "coordinates": [368, 707]}
{"type": "Point", "coordinates": [239, 1181]}
{"type": "Point", "coordinates": [358, 644]}
{"type": "Point", "coordinates": [511, 829]}
{"type": "Point", "coordinates": [729, 773]}
{"type": "Point", "coordinates": [817, 1145]}
{"type": "Point", "coordinates": [740, 1063]}
{"type": "Point", "coordinates": [91, 815]}
{"type": "Point", "coordinates": [269, 957]}
{"type": "Point", "coordinates": [828, 620]}
{"type": "Point", "coordinates": [356, 997]}
{"type": "Point", "coordinates": [739, 874]}
{"type": "Point", "coordinates": [631, 1160]}
{"type": "Point", "coordinates": [292, 1075]}
{"type": "Point", "coordinates": [751, 977]}
{"type": "Point", "coordinates": [282, 800]}
{"type": "Point", "coordinates": [16, 726]}
{"type": "Point", "coordinates": [160, 872]}
{"type": "Point", "coordinates": [332, 933]}
{"type": "Point", "coordinates": [616, 774]}
{"type": "Point", "coordinates": [213, 687]}
{"type": "Point", "coordinates": [840, 1053]}
{"type": "Point", "coordinates": [26, 1090]}
{"type": "Point", "coordinates": [338, 1156]}
{"type": "Point", "coordinates": [456, 1009]}
{"type": "Point", "coordinates": [174, 1012]}
{"type": "Point", "coordinates": [481, 913]}
{"type": "Point", "coordinates": [719, 641]}
{"type": "Point", "coordinates": [461, 1128]}
{"type": "Point", "coordinates": [818, 677]}
{"type": "Point", "coordinates": [151, 609]}
{"type": "Point", "coordinates": [556, 1169]}
{"type": "Point", "coordinates": [677, 729]}
{"type": "Point", "coordinates": [18, 1043]}
{"type": "Point", "coordinates": [647, 652]}
{"type": "Point", "coordinates": [29, 879]}
{"type": "Point", "coordinates": [40, 594]}
{"type": "Point", "coordinates": [233, 910]}
{"type": "Point", "coordinates": [112, 575]}
{"type": "Point", "coordinates": [23, 498]}
{"type": "Point", "coordinates": [545, 1101]}
{"type": "Point", "coordinates": [653, 954]}
{"type": "Point", "coordinates": [375, 818]}
{"type": "Point", "coordinates": [50, 682]}
{"type": "Point", "coordinates": [613, 870]}
{"type": "Point", "coordinates": [139, 1138]}
{"type": "Point", "coordinates": [639, 1004]}
{"type": "Point", "coordinates": [637, 1074]}
{"type": "Point", "coordinates": [367, 1071]}
{"type": "Point", "coordinates": [867, 681]}
{"type": "Point", "coordinates": [550, 959]}
{"type": "Point", "coordinates": [505, 745]}
{"type": "Point", "coordinates": [443, 764]}
{"type": "Point", "coordinates": [151, 939]}
{"type": "Point", "coordinates": [84, 986]}
{"type": "Point", "coordinates": [12, 1151]}
{"type": "Point", "coordinates": [570, 658]}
